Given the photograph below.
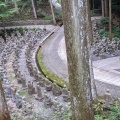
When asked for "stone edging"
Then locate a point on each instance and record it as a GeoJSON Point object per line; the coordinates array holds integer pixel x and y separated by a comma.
{"type": "Point", "coordinates": [38, 47]}
{"type": "Point", "coordinates": [39, 44]}
{"type": "Point", "coordinates": [29, 22]}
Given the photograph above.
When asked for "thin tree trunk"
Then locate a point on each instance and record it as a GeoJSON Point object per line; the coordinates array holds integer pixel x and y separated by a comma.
{"type": "Point", "coordinates": [53, 15]}
{"type": "Point", "coordinates": [34, 10]}
{"type": "Point", "coordinates": [4, 114]}
{"type": "Point", "coordinates": [110, 21]}
{"type": "Point", "coordinates": [77, 36]}
{"type": "Point", "coordinates": [91, 40]}
{"type": "Point", "coordinates": [93, 85]}
{"type": "Point", "coordinates": [106, 8]}
{"type": "Point", "coordinates": [103, 7]}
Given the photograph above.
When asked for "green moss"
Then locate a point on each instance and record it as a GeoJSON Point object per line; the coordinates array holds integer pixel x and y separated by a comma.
{"type": "Point", "coordinates": [51, 76]}
{"type": "Point", "coordinates": [23, 93]}
{"type": "Point", "coordinates": [11, 77]}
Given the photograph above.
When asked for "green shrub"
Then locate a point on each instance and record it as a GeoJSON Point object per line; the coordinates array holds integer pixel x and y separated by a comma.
{"type": "Point", "coordinates": [115, 111]}
{"type": "Point", "coordinates": [98, 117]}
{"type": "Point", "coordinates": [16, 117]}
{"type": "Point", "coordinates": [47, 17]}
{"type": "Point", "coordinates": [64, 114]}
{"type": "Point", "coordinates": [115, 39]}
{"type": "Point", "coordinates": [104, 21]}
{"type": "Point", "coordinates": [91, 12]}
{"type": "Point", "coordinates": [98, 108]}
{"type": "Point", "coordinates": [116, 31]}
{"type": "Point", "coordinates": [58, 14]}
{"type": "Point", "coordinates": [59, 1]}
{"type": "Point", "coordinates": [44, 14]}
{"type": "Point", "coordinates": [103, 33]}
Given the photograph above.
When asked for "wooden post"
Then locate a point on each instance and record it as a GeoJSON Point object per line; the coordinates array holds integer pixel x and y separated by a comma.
{"type": "Point", "coordinates": [110, 21]}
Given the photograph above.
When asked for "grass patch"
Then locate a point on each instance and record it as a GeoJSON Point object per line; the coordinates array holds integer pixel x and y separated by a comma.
{"type": "Point", "coordinates": [51, 76]}
{"type": "Point", "coordinates": [23, 93]}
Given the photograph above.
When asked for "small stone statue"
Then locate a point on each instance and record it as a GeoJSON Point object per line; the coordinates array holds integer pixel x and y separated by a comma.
{"type": "Point", "coordinates": [31, 89]}
{"type": "Point", "coordinates": [47, 101]}
{"type": "Point", "coordinates": [19, 80]}
{"type": "Point", "coordinates": [48, 85]}
{"type": "Point", "coordinates": [55, 105]}
{"type": "Point", "coordinates": [107, 97]}
{"type": "Point", "coordinates": [27, 109]}
{"type": "Point", "coordinates": [56, 90]}
{"type": "Point", "coordinates": [39, 93]}
{"type": "Point", "coordinates": [23, 81]}
{"type": "Point", "coordinates": [13, 93]}
{"type": "Point", "coordinates": [66, 94]}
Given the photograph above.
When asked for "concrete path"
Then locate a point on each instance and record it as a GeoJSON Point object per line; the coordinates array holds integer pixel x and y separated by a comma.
{"type": "Point", "coordinates": [106, 71]}
{"type": "Point", "coordinates": [50, 56]}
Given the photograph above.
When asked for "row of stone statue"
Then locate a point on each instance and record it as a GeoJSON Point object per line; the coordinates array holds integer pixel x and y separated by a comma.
{"type": "Point", "coordinates": [40, 80]}
{"type": "Point", "coordinates": [103, 45]}
{"type": "Point", "coordinates": [13, 43]}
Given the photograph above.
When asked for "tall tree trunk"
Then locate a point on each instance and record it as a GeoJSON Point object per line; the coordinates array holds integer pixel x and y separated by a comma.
{"type": "Point", "coordinates": [110, 21]}
{"type": "Point", "coordinates": [103, 7]}
{"type": "Point", "coordinates": [34, 9]}
{"type": "Point", "coordinates": [53, 15]}
{"type": "Point", "coordinates": [4, 114]}
{"type": "Point", "coordinates": [35, 3]}
{"type": "Point", "coordinates": [77, 36]}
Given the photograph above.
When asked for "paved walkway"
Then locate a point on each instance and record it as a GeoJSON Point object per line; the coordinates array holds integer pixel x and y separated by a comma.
{"type": "Point", "coordinates": [106, 71]}
{"type": "Point", "coordinates": [50, 56]}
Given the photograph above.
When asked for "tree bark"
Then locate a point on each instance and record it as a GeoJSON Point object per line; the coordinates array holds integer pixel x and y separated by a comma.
{"type": "Point", "coordinates": [53, 15]}
{"type": "Point", "coordinates": [34, 9]}
{"type": "Point", "coordinates": [4, 114]}
{"type": "Point", "coordinates": [77, 36]}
